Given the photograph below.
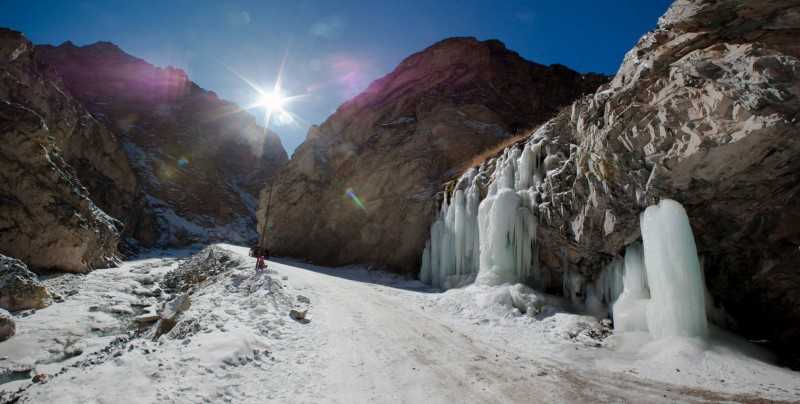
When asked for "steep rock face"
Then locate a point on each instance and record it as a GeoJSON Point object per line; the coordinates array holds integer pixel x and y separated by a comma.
{"type": "Point", "coordinates": [360, 188]}
{"type": "Point", "coordinates": [47, 217]}
{"type": "Point", "coordinates": [704, 110]}
{"type": "Point", "coordinates": [200, 161]}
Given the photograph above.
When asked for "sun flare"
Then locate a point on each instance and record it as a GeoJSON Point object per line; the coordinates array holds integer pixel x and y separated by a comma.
{"type": "Point", "coordinates": [272, 101]}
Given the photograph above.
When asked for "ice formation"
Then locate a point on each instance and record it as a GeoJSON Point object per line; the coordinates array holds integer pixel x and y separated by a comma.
{"type": "Point", "coordinates": [630, 308]}
{"type": "Point", "coordinates": [658, 287]}
{"type": "Point", "coordinates": [490, 241]}
{"type": "Point", "coordinates": [677, 304]}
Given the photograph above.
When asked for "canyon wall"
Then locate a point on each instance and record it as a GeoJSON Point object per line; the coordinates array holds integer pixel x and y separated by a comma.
{"type": "Point", "coordinates": [704, 110]}
{"type": "Point", "coordinates": [360, 188]}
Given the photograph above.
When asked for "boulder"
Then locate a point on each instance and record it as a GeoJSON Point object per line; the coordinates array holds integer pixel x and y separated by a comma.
{"type": "Point", "coordinates": [7, 325]}
{"type": "Point", "coordinates": [170, 312]}
{"type": "Point", "coordinates": [20, 289]}
{"type": "Point", "coordinates": [209, 262]}
{"type": "Point", "coordinates": [299, 316]}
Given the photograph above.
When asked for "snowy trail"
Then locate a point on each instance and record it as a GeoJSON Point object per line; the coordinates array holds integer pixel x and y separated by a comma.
{"type": "Point", "coordinates": [377, 349]}
{"type": "Point", "coordinates": [373, 337]}
{"type": "Point", "coordinates": [380, 341]}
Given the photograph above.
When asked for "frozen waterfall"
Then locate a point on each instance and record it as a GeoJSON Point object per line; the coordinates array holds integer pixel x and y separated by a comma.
{"type": "Point", "coordinates": [658, 287]}
{"type": "Point", "coordinates": [492, 239]}
{"type": "Point", "coordinates": [664, 292]}
{"type": "Point", "coordinates": [630, 309]}
{"type": "Point", "coordinates": [677, 304]}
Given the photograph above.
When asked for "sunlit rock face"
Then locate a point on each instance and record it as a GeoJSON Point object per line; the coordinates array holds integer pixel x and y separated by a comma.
{"type": "Point", "coordinates": [199, 160]}
{"type": "Point", "coordinates": [703, 110]}
{"type": "Point", "coordinates": [392, 146]}
{"type": "Point", "coordinates": [61, 171]}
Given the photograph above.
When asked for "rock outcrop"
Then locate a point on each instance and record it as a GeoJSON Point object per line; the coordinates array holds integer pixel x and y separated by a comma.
{"type": "Point", "coordinates": [200, 161]}
{"type": "Point", "coordinates": [361, 187]}
{"type": "Point", "coordinates": [7, 325]}
{"type": "Point", "coordinates": [47, 216]}
{"type": "Point", "coordinates": [704, 110]}
{"type": "Point", "coordinates": [20, 289]}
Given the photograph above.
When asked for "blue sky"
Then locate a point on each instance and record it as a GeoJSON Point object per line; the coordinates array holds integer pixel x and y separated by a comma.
{"type": "Point", "coordinates": [333, 49]}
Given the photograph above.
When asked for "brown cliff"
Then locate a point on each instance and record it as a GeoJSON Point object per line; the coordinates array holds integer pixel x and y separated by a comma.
{"type": "Point", "coordinates": [391, 146]}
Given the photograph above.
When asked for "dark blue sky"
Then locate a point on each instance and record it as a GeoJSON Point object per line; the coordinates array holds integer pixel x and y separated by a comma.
{"type": "Point", "coordinates": [333, 48]}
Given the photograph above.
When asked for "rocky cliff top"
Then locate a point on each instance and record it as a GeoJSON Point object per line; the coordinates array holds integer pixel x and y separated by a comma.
{"type": "Point", "coordinates": [464, 70]}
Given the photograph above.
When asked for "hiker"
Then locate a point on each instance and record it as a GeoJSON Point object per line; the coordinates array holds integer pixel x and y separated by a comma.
{"type": "Point", "coordinates": [261, 262]}
{"type": "Point", "coordinates": [260, 251]}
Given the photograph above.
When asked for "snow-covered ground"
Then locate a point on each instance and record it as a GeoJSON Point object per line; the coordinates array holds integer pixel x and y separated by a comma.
{"type": "Point", "coordinates": [373, 337]}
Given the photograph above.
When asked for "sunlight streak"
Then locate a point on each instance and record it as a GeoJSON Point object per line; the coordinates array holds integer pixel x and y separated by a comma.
{"type": "Point", "coordinates": [273, 101]}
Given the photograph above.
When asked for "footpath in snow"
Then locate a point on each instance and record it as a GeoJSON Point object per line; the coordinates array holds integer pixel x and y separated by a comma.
{"type": "Point", "coordinates": [225, 335]}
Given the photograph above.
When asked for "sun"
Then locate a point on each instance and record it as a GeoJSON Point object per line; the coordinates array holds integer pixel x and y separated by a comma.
{"type": "Point", "coordinates": [272, 101]}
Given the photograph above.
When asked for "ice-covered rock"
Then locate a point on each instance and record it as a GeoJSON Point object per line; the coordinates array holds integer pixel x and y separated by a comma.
{"type": "Point", "coordinates": [20, 288]}
{"type": "Point", "coordinates": [703, 110]}
{"type": "Point", "coordinates": [208, 263]}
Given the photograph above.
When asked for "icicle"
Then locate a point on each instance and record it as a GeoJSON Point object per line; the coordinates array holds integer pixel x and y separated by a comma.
{"type": "Point", "coordinates": [630, 309]}
{"type": "Point", "coordinates": [436, 251]}
{"type": "Point", "coordinates": [571, 287]}
{"type": "Point", "coordinates": [495, 236]}
{"type": "Point", "coordinates": [425, 271]}
{"type": "Point", "coordinates": [525, 172]}
{"type": "Point", "coordinates": [459, 230]}
{"type": "Point", "coordinates": [677, 306]}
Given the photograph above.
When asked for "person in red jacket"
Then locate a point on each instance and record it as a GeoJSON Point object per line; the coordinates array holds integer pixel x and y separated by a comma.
{"type": "Point", "coordinates": [261, 262]}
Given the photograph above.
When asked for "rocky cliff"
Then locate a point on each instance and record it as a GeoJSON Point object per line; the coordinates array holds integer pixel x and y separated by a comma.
{"type": "Point", "coordinates": [704, 110]}
{"type": "Point", "coordinates": [49, 217]}
{"type": "Point", "coordinates": [361, 187]}
{"type": "Point", "coordinates": [199, 161]}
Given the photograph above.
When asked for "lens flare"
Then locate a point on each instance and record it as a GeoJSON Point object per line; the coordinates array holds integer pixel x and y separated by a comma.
{"type": "Point", "coordinates": [352, 195]}
{"type": "Point", "coordinates": [272, 100]}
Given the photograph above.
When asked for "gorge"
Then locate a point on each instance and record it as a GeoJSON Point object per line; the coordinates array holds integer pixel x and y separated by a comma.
{"type": "Point", "coordinates": [463, 225]}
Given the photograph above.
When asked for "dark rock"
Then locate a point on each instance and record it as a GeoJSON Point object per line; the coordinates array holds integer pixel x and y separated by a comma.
{"type": "Point", "coordinates": [185, 329]}
{"type": "Point", "coordinates": [299, 316]}
{"type": "Point", "coordinates": [169, 314]}
{"type": "Point", "coordinates": [40, 378]}
{"type": "Point", "coordinates": [209, 262]}
{"type": "Point", "coordinates": [7, 325]}
{"type": "Point", "coordinates": [20, 289]}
